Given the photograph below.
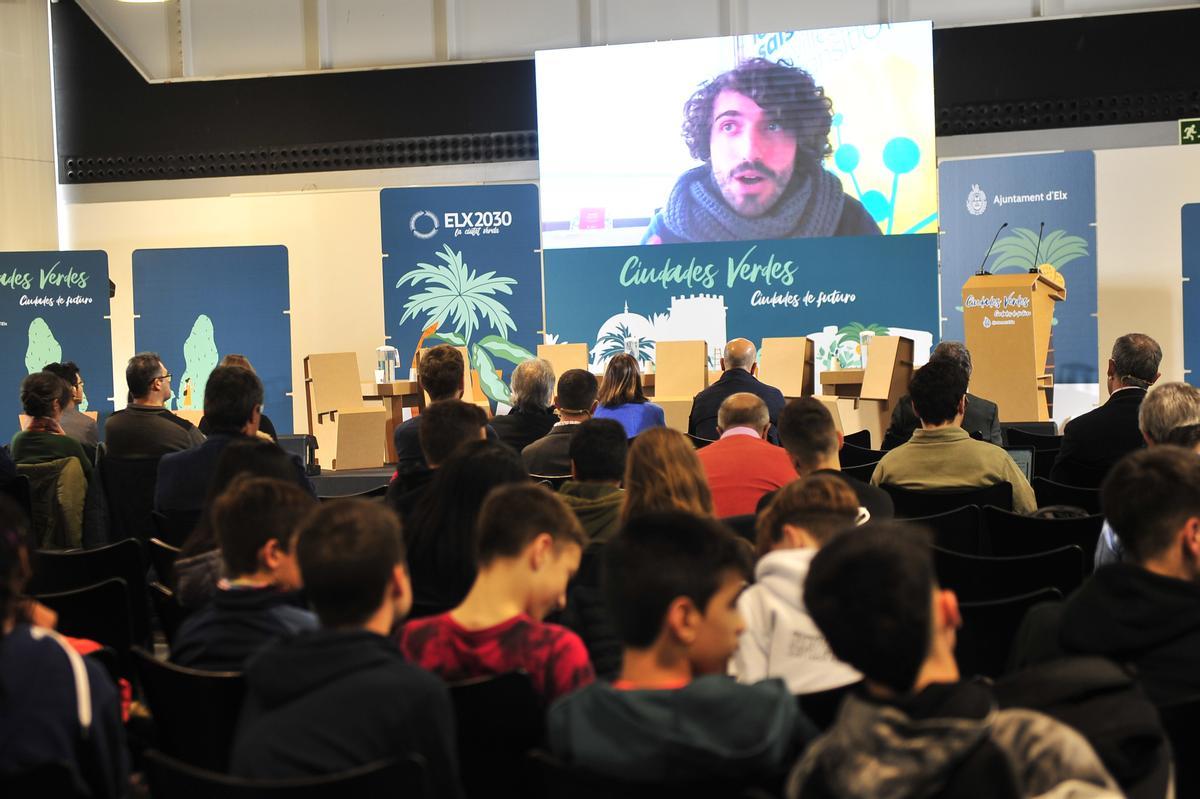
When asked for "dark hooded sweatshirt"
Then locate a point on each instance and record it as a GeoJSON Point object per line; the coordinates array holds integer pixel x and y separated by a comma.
{"type": "Point", "coordinates": [1134, 616]}
{"type": "Point", "coordinates": [331, 700]}
{"type": "Point", "coordinates": [236, 624]}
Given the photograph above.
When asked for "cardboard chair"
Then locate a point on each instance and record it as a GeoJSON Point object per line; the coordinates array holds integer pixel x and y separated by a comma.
{"type": "Point", "coordinates": [865, 398]}
{"type": "Point", "coordinates": [348, 432]}
{"type": "Point", "coordinates": [563, 357]}
{"type": "Point", "coordinates": [787, 364]}
{"type": "Point", "coordinates": [680, 373]}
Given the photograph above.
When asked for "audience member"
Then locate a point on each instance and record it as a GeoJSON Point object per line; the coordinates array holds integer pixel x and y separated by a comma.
{"type": "Point", "coordinates": [739, 367]}
{"type": "Point", "coordinates": [528, 546]}
{"type": "Point", "coordinates": [55, 706]}
{"type": "Point", "coordinates": [781, 639]}
{"type": "Point", "coordinates": [442, 375]}
{"type": "Point", "coordinates": [742, 467]}
{"type": "Point", "coordinates": [1167, 407]}
{"type": "Point", "coordinates": [328, 701]}
{"type": "Point", "coordinates": [440, 534]}
{"type": "Point", "coordinates": [43, 397]}
{"type": "Point", "coordinates": [812, 441]}
{"type": "Point", "coordinates": [74, 422]}
{"type": "Point", "coordinates": [532, 413]}
{"type": "Point", "coordinates": [1186, 436]}
{"type": "Point", "coordinates": [448, 425]}
{"type": "Point", "coordinates": [917, 728]}
{"type": "Point", "coordinates": [1093, 442]}
{"type": "Point", "coordinates": [672, 581]}
{"type": "Point", "coordinates": [981, 420]}
{"type": "Point", "coordinates": [145, 428]}
{"type": "Point", "coordinates": [198, 569]}
{"type": "Point", "coordinates": [598, 452]}
{"type": "Point", "coordinates": [663, 473]}
{"type": "Point", "coordinates": [265, 427]}
{"type": "Point", "coordinates": [550, 456]}
{"type": "Point", "coordinates": [621, 397]}
{"type": "Point", "coordinates": [255, 522]}
{"type": "Point", "coordinates": [941, 454]}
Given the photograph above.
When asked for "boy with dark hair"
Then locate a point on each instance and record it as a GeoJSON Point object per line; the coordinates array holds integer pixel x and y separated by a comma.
{"type": "Point", "coordinates": [873, 594]}
{"type": "Point", "coordinates": [672, 581]}
{"type": "Point", "coordinates": [342, 696]}
{"type": "Point", "coordinates": [74, 423]}
{"type": "Point", "coordinates": [528, 548]}
{"type": "Point", "coordinates": [255, 523]}
{"type": "Point", "coordinates": [448, 425]}
{"type": "Point", "coordinates": [598, 450]}
{"type": "Point", "coordinates": [575, 401]}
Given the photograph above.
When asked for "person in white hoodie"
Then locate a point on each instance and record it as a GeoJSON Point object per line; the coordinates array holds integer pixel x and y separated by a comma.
{"type": "Point", "coordinates": [781, 639]}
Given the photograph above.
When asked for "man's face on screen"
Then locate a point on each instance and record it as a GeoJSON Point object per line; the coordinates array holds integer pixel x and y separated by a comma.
{"type": "Point", "coordinates": [751, 154]}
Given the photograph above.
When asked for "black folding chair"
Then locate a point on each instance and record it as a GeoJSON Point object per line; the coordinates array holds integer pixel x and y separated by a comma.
{"type": "Point", "coordinates": [195, 712]}
{"type": "Point", "coordinates": [1012, 534]}
{"type": "Point", "coordinates": [129, 490]}
{"type": "Point", "coordinates": [98, 613]}
{"type": "Point", "coordinates": [982, 579]}
{"type": "Point", "coordinates": [1043, 462]}
{"type": "Point", "coordinates": [52, 779]}
{"type": "Point", "coordinates": [499, 720]}
{"type": "Point", "coordinates": [1051, 493]}
{"type": "Point", "coordinates": [988, 629]}
{"type": "Point", "coordinates": [956, 530]}
{"type": "Point", "coordinates": [861, 439]}
{"type": "Point", "coordinates": [914, 503]}
{"type": "Point", "coordinates": [174, 526]}
{"type": "Point", "coordinates": [551, 481]}
{"type": "Point", "coordinates": [862, 473]}
{"type": "Point", "coordinates": [16, 488]}
{"type": "Point", "coordinates": [375, 492]}
{"type": "Point", "coordinates": [1016, 437]}
{"type": "Point", "coordinates": [1037, 428]}
{"type": "Point", "coordinates": [162, 558]}
{"type": "Point", "coordinates": [172, 779]}
{"type": "Point", "coordinates": [698, 442]}
{"type": "Point", "coordinates": [850, 455]}
{"type": "Point", "coordinates": [171, 614]}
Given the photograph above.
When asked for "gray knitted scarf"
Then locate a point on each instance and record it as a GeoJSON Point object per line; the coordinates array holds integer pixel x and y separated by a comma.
{"type": "Point", "coordinates": [696, 211]}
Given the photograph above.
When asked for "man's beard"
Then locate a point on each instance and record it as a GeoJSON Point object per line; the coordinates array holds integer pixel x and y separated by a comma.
{"type": "Point", "coordinates": [756, 203]}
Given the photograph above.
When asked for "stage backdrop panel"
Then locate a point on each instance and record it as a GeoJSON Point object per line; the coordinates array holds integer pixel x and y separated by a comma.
{"type": "Point", "coordinates": [1190, 225]}
{"type": "Point", "coordinates": [978, 195]}
{"type": "Point", "coordinates": [194, 306]}
{"type": "Point", "coordinates": [626, 299]}
{"type": "Point", "coordinates": [54, 308]}
{"type": "Point", "coordinates": [461, 266]}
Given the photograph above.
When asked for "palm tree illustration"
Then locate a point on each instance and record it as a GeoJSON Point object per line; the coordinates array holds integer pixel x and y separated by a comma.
{"type": "Point", "coordinates": [457, 302]}
{"type": "Point", "coordinates": [1019, 250]}
{"type": "Point", "coordinates": [621, 340]}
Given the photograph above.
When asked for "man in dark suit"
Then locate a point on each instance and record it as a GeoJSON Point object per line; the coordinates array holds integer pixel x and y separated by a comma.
{"type": "Point", "coordinates": [740, 363]}
{"type": "Point", "coordinates": [532, 413]}
{"type": "Point", "coordinates": [1093, 442]}
{"type": "Point", "coordinates": [982, 419]}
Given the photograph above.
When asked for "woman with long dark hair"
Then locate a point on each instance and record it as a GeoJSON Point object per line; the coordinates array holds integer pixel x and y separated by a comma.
{"type": "Point", "coordinates": [621, 397]}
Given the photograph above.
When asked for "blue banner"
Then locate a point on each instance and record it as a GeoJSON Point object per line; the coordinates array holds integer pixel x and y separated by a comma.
{"type": "Point", "coordinates": [626, 299]}
{"type": "Point", "coordinates": [194, 306]}
{"type": "Point", "coordinates": [461, 266]}
{"type": "Point", "coordinates": [1190, 228]}
{"type": "Point", "coordinates": [978, 195]}
{"type": "Point", "coordinates": [54, 308]}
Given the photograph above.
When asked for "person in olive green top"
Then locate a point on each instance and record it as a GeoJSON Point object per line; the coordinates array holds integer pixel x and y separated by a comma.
{"type": "Point", "coordinates": [44, 396]}
{"type": "Point", "coordinates": [594, 493]}
{"type": "Point", "coordinates": [941, 454]}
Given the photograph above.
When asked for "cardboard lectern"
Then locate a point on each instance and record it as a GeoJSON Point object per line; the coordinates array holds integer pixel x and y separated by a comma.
{"type": "Point", "coordinates": [348, 431]}
{"type": "Point", "coordinates": [1007, 319]}
{"type": "Point", "coordinates": [787, 364]}
{"type": "Point", "coordinates": [863, 399]}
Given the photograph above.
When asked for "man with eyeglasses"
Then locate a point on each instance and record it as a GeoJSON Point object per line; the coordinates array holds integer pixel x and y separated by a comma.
{"type": "Point", "coordinates": [145, 428]}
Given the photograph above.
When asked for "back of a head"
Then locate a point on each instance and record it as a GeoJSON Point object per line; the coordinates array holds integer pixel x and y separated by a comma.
{"type": "Point", "coordinates": [739, 353]}
{"type": "Point", "coordinates": [663, 473]}
{"type": "Point", "coordinates": [807, 431]}
{"type": "Point", "coordinates": [141, 371]}
{"type": "Point", "coordinates": [441, 372]}
{"type": "Point", "coordinates": [577, 391]}
{"type": "Point", "coordinates": [743, 410]}
{"type": "Point", "coordinates": [953, 351]}
{"type": "Point", "coordinates": [533, 385]}
{"type": "Point", "coordinates": [1148, 495]}
{"type": "Point", "coordinates": [251, 512]}
{"type": "Point", "coordinates": [514, 515]}
{"type": "Point", "coordinates": [68, 371]}
{"type": "Point", "coordinates": [659, 557]}
{"type": "Point", "coordinates": [1186, 436]}
{"type": "Point", "coordinates": [1166, 407]}
{"type": "Point", "coordinates": [231, 395]}
{"type": "Point", "coordinates": [622, 382]}
{"type": "Point", "coordinates": [935, 390]}
{"type": "Point", "coordinates": [869, 590]}
{"type": "Point", "coordinates": [822, 504]}
{"type": "Point", "coordinates": [447, 425]}
{"type": "Point", "coordinates": [599, 449]}
{"type": "Point", "coordinates": [235, 359]}
{"type": "Point", "coordinates": [39, 391]}
{"type": "Point", "coordinates": [347, 551]}
{"type": "Point", "coordinates": [1135, 358]}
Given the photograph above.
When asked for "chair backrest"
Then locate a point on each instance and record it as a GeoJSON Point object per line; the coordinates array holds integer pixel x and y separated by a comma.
{"type": "Point", "coordinates": [981, 579]}
{"type": "Point", "coordinates": [1181, 720]}
{"type": "Point", "coordinates": [1013, 534]}
{"type": "Point", "coordinates": [499, 720]}
{"type": "Point", "coordinates": [170, 613]}
{"type": "Point", "coordinates": [861, 439]}
{"type": "Point", "coordinates": [850, 455]}
{"type": "Point", "coordinates": [52, 779]}
{"type": "Point", "coordinates": [162, 558]}
{"type": "Point", "coordinates": [17, 489]}
{"type": "Point", "coordinates": [1037, 428]}
{"type": "Point", "coordinates": [333, 381]}
{"type": "Point", "coordinates": [552, 481]}
{"type": "Point", "coordinates": [1051, 493]}
{"type": "Point", "coordinates": [371, 493]}
{"type": "Point", "coordinates": [1043, 463]}
{"type": "Point", "coordinates": [698, 442]}
{"type": "Point", "coordinates": [1016, 437]}
{"type": "Point", "coordinates": [174, 526]}
{"type": "Point", "coordinates": [862, 472]}
{"type": "Point", "coordinates": [195, 712]}
{"type": "Point", "coordinates": [988, 629]}
{"type": "Point", "coordinates": [97, 612]}
{"type": "Point", "coordinates": [910, 502]}
{"type": "Point", "coordinates": [129, 489]}
{"type": "Point", "coordinates": [743, 525]}
{"type": "Point", "coordinates": [957, 530]}
{"type": "Point", "coordinates": [405, 776]}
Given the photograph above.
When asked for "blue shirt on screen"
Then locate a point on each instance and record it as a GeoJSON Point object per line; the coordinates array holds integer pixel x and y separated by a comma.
{"type": "Point", "coordinates": [634, 416]}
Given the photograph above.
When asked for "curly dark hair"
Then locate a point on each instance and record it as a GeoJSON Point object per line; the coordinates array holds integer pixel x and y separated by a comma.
{"type": "Point", "coordinates": [787, 93]}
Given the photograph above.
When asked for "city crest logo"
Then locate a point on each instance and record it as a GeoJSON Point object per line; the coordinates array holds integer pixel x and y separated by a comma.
{"type": "Point", "coordinates": [976, 200]}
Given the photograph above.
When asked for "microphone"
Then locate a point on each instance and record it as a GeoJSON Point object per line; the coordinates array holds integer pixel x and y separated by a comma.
{"type": "Point", "coordinates": [1038, 251]}
{"type": "Point", "coordinates": [983, 271]}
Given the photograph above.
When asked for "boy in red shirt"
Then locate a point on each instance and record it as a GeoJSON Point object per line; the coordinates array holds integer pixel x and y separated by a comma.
{"type": "Point", "coordinates": [528, 547]}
